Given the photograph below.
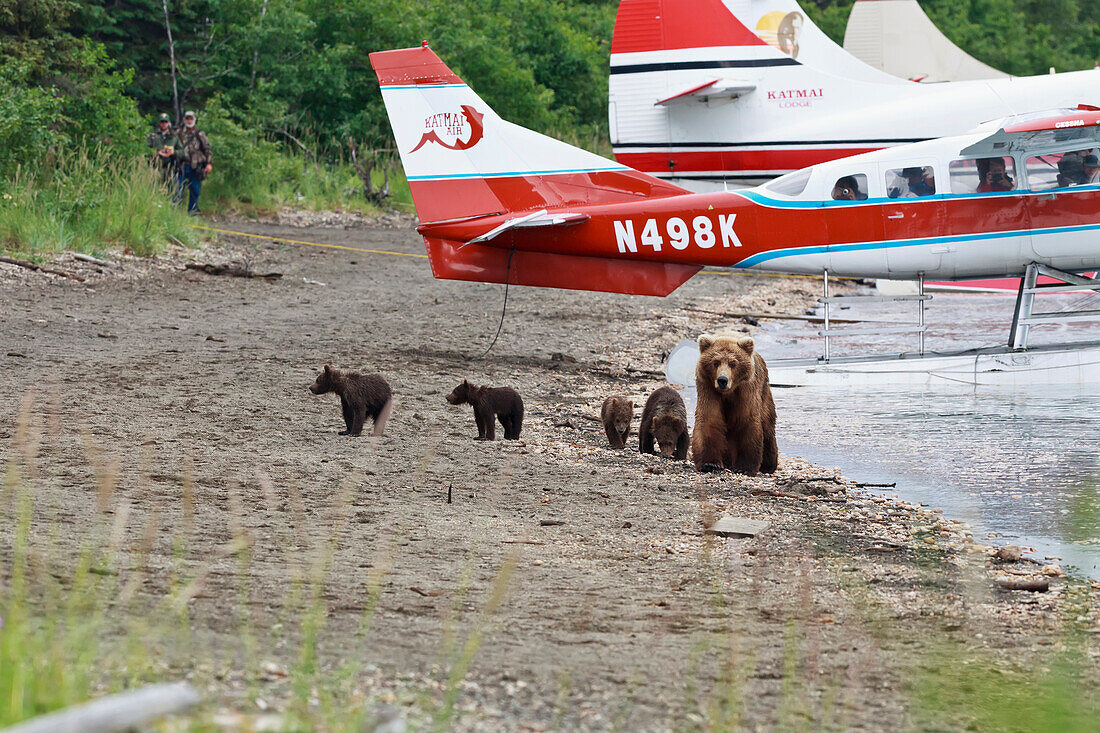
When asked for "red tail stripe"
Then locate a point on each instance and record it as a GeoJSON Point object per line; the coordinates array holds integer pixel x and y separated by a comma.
{"type": "Point", "coordinates": [411, 66]}
{"type": "Point", "coordinates": [656, 25]}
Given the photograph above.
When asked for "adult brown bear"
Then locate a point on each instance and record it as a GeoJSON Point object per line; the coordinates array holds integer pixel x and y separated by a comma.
{"type": "Point", "coordinates": [735, 413]}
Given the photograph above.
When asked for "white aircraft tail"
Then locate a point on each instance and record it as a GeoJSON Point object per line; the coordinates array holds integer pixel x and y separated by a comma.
{"type": "Point", "coordinates": [897, 37]}
{"type": "Point", "coordinates": [462, 160]}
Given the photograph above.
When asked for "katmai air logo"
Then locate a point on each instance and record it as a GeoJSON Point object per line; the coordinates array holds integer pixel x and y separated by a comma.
{"type": "Point", "coordinates": [453, 126]}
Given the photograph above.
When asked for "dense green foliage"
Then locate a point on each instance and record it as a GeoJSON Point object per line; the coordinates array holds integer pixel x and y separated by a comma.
{"type": "Point", "coordinates": [1022, 37]}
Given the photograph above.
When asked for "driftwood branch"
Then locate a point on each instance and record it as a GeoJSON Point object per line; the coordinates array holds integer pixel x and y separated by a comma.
{"type": "Point", "coordinates": [232, 271]}
{"type": "Point", "coordinates": [40, 268]}
{"type": "Point", "coordinates": [122, 712]}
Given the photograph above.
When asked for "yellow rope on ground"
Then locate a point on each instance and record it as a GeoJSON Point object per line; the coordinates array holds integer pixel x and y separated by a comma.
{"type": "Point", "coordinates": [424, 257]}
{"type": "Point", "coordinates": [311, 244]}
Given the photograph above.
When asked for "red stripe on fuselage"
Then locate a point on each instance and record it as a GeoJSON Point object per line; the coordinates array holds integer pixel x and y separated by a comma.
{"type": "Point", "coordinates": [732, 161]}
{"type": "Point", "coordinates": [759, 228]}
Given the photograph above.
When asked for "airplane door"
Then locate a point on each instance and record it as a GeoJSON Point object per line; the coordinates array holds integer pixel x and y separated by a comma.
{"type": "Point", "coordinates": [1065, 209]}
{"type": "Point", "coordinates": [854, 225]}
{"type": "Point", "coordinates": [912, 216]}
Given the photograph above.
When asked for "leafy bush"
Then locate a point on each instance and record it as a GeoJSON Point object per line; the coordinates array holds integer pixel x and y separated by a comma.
{"type": "Point", "coordinates": [90, 201]}
{"type": "Point", "coordinates": [27, 119]}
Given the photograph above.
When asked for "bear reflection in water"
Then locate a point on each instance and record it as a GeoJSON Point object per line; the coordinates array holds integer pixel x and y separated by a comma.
{"type": "Point", "coordinates": [735, 413]}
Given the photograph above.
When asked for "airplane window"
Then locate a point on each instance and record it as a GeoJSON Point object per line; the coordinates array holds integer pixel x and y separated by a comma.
{"type": "Point", "coordinates": [910, 182]}
{"type": "Point", "coordinates": [850, 188]}
{"type": "Point", "coordinates": [1059, 170]}
{"type": "Point", "coordinates": [983, 175]}
{"type": "Point", "coordinates": [791, 184]}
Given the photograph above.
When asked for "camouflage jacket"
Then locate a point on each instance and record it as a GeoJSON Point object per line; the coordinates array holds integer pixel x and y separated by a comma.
{"type": "Point", "coordinates": [196, 149]}
{"type": "Point", "coordinates": [158, 140]}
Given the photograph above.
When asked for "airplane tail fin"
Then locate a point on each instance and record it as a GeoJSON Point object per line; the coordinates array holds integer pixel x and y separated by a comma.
{"type": "Point", "coordinates": [483, 185]}
{"type": "Point", "coordinates": [462, 160]}
{"type": "Point", "coordinates": [675, 61]}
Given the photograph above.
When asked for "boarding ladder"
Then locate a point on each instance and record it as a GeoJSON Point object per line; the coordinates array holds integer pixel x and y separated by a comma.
{"type": "Point", "coordinates": [826, 300]}
{"type": "Point", "coordinates": [1025, 317]}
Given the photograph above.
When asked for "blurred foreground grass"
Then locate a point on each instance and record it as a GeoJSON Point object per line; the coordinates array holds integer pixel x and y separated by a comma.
{"type": "Point", "coordinates": [92, 605]}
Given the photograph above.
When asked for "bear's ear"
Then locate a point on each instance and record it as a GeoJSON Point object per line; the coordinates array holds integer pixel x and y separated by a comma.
{"type": "Point", "coordinates": [705, 341]}
{"type": "Point", "coordinates": [676, 424]}
{"type": "Point", "coordinates": [748, 345]}
{"type": "Point", "coordinates": [630, 404]}
{"type": "Point", "coordinates": [328, 368]}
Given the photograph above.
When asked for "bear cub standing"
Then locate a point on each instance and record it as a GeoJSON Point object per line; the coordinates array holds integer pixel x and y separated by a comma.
{"type": "Point", "coordinates": [735, 414]}
{"type": "Point", "coordinates": [664, 419]}
{"type": "Point", "coordinates": [617, 413]}
{"type": "Point", "coordinates": [490, 403]}
{"type": "Point", "coordinates": [361, 396]}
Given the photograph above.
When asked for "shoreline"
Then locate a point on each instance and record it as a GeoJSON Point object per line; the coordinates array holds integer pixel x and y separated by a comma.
{"type": "Point", "coordinates": [603, 616]}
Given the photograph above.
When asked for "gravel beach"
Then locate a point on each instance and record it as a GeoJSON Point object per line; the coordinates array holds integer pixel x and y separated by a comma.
{"type": "Point", "coordinates": [578, 579]}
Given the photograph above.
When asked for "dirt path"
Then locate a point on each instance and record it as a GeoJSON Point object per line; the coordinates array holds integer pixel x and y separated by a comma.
{"type": "Point", "coordinates": [623, 616]}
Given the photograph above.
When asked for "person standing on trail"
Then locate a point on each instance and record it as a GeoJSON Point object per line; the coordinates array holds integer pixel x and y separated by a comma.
{"type": "Point", "coordinates": [197, 161]}
{"type": "Point", "coordinates": [167, 150]}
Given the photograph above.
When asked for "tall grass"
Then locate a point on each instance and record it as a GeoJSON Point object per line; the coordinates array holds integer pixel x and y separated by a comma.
{"type": "Point", "coordinates": [89, 201]}
{"type": "Point", "coordinates": [290, 180]}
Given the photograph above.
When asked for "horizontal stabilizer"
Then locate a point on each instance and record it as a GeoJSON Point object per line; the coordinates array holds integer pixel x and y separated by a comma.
{"type": "Point", "coordinates": [453, 261]}
{"type": "Point", "coordinates": [713, 88]}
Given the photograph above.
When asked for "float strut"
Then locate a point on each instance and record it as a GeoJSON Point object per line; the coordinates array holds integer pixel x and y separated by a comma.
{"type": "Point", "coordinates": [825, 301]}
{"type": "Point", "coordinates": [920, 317]}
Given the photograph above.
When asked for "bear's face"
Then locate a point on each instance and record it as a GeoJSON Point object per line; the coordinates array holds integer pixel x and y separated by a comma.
{"type": "Point", "coordinates": [667, 429]}
{"type": "Point", "coordinates": [725, 361]}
{"type": "Point", "coordinates": [460, 394]}
{"type": "Point", "coordinates": [622, 415]}
{"type": "Point", "coordinates": [325, 382]}
{"type": "Point", "coordinates": [622, 420]}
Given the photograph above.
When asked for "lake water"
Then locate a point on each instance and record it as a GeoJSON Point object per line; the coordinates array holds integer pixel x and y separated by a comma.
{"type": "Point", "coordinates": [1021, 463]}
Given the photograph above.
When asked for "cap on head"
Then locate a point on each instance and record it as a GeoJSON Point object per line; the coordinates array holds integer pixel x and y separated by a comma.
{"type": "Point", "coordinates": [190, 114]}
{"type": "Point", "coordinates": [164, 118]}
{"type": "Point", "coordinates": [1092, 161]}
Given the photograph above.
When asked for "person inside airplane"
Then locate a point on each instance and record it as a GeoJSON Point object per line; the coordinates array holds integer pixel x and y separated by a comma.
{"type": "Point", "coordinates": [993, 176]}
{"type": "Point", "coordinates": [1071, 169]}
{"type": "Point", "coordinates": [848, 188]}
{"type": "Point", "coordinates": [1092, 169]}
{"type": "Point", "coordinates": [912, 182]}
{"type": "Point", "coordinates": [1062, 170]}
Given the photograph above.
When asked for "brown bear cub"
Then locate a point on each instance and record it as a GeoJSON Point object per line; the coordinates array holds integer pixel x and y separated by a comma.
{"type": "Point", "coordinates": [735, 415]}
{"type": "Point", "coordinates": [361, 396]}
{"type": "Point", "coordinates": [490, 403]}
{"type": "Point", "coordinates": [664, 419]}
{"type": "Point", "coordinates": [617, 413]}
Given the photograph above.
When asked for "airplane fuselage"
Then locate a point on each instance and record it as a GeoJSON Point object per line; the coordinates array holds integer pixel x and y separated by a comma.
{"type": "Point", "coordinates": [949, 237]}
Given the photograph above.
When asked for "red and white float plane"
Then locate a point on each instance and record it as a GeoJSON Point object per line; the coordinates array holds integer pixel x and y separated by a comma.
{"type": "Point", "coordinates": [706, 93]}
{"type": "Point", "coordinates": [500, 203]}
